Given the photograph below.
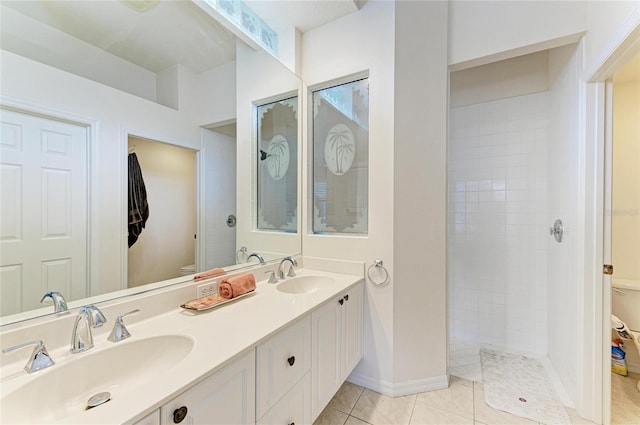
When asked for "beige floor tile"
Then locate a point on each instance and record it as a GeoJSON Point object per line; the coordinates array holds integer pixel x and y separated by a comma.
{"type": "Point", "coordinates": [346, 397]}
{"type": "Point", "coordinates": [378, 409]}
{"type": "Point", "coordinates": [458, 398]}
{"type": "Point", "coordinates": [457, 380]}
{"type": "Point", "coordinates": [352, 420]}
{"type": "Point", "coordinates": [331, 416]}
{"type": "Point", "coordinates": [625, 399]}
{"type": "Point", "coordinates": [577, 419]}
{"type": "Point", "coordinates": [424, 414]}
{"type": "Point", "coordinates": [485, 414]}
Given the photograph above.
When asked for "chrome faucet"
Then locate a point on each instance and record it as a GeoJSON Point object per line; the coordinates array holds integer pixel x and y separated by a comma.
{"type": "Point", "coordinates": [292, 272]}
{"type": "Point", "coordinates": [119, 331]}
{"type": "Point", "coordinates": [258, 256]}
{"type": "Point", "coordinates": [89, 317]}
{"type": "Point", "coordinates": [39, 358]}
{"type": "Point", "coordinates": [59, 303]}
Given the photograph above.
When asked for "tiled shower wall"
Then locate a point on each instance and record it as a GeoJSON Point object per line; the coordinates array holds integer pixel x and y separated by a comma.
{"type": "Point", "coordinates": [497, 235]}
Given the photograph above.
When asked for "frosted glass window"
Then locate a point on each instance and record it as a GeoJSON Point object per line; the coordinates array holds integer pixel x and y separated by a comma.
{"type": "Point", "coordinates": [278, 165]}
{"type": "Point", "coordinates": [341, 158]}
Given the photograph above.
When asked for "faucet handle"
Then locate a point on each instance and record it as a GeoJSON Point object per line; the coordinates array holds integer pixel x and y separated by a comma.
{"type": "Point", "coordinates": [119, 331]}
{"type": "Point", "coordinates": [272, 277]}
{"type": "Point", "coordinates": [39, 358]}
{"type": "Point", "coordinates": [59, 303]}
{"type": "Point", "coordinates": [292, 272]}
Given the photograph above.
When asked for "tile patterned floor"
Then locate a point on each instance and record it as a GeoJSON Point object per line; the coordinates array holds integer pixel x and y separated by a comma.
{"type": "Point", "coordinates": [460, 404]}
{"type": "Point", "coordinates": [625, 399]}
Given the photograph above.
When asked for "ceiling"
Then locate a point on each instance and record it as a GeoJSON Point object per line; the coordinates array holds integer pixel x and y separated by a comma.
{"type": "Point", "coordinates": [169, 32]}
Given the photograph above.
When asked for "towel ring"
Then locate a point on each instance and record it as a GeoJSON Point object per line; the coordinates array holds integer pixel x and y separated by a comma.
{"type": "Point", "coordinates": [378, 265]}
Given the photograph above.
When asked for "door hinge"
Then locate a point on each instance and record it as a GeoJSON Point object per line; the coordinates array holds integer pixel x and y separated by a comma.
{"type": "Point", "coordinates": [607, 269]}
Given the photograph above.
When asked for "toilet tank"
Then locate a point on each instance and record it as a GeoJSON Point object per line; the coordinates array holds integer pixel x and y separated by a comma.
{"type": "Point", "coordinates": [625, 301]}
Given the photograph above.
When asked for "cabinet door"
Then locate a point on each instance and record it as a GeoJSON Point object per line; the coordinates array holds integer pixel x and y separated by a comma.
{"type": "Point", "coordinates": [294, 408]}
{"type": "Point", "coordinates": [282, 360]}
{"type": "Point", "coordinates": [353, 334]}
{"type": "Point", "coordinates": [152, 418]}
{"type": "Point", "coordinates": [326, 343]}
{"type": "Point", "coordinates": [227, 397]}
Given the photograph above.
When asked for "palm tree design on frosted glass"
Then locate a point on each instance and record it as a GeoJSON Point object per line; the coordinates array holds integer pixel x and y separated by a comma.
{"type": "Point", "coordinates": [278, 160]}
{"type": "Point", "coordinates": [340, 148]}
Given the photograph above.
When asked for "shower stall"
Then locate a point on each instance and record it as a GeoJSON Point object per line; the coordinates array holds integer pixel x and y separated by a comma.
{"type": "Point", "coordinates": [513, 170]}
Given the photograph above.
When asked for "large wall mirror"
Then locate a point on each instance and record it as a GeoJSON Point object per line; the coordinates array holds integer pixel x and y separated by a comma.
{"type": "Point", "coordinates": [90, 90]}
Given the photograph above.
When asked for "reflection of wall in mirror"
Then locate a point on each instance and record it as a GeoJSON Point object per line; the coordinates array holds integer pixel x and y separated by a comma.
{"type": "Point", "coordinates": [220, 199]}
{"type": "Point", "coordinates": [40, 86]}
{"type": "Point", "coordinates": [166, 244]}
{"type": "Point", "coordinates": [260, 79]}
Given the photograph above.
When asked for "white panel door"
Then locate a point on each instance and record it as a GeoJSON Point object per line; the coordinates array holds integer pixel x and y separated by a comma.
{"type": "Point", "coordinates": [326, 354]}
{"type": "Point", "coordinates": [44, 195]}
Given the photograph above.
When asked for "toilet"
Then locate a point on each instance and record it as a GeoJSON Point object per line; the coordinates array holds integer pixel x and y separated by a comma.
{"type": "Point", "coordinates": [187, 270]}
{"type": "Point", "coordinates": [625, 304]}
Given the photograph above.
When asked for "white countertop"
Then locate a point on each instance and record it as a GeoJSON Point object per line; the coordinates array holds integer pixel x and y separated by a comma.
{"type": "Point", "coordinates": [220, 334]}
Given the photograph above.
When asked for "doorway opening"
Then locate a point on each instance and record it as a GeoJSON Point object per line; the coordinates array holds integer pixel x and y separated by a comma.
{"type": "Point", "coordinates": [165, 244]}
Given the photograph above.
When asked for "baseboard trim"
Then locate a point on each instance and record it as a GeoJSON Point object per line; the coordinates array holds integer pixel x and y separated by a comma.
{"type": "Point", "coordinates": [401, 388]}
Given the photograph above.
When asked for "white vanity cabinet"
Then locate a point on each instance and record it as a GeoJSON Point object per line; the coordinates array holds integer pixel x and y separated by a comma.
{"type": "Point", "coordinates": [283, 361]}
{"type": "Point", "coordinates": [152, 418]}
{"type": "Point", "coordinates": [226, 397]}
{"type": "Point", "coordinates": [337, 341]}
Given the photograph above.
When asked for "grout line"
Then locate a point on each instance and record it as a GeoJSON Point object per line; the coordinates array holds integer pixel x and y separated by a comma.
{"type": "Point", "coordinates": [357, 400]}
{"type": "Point", "coordinates": [413, 408]}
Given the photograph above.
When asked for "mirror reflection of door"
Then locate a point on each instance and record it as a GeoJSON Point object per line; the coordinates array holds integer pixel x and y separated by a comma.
{"type": "Point", "coordinates": [165, 247]}
{"type": "Point", "coordinates": [43, 244]}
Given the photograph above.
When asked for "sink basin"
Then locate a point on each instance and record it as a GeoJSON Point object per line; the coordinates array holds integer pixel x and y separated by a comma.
{"type": "Point", "coordinates": [304, 284]}
{"type": "Point", "coordinates": [63, 390]}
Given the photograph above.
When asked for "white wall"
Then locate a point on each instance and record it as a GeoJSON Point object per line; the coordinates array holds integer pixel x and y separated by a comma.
{"type": "Point", "coordinates": [499, 80]}
{"type": "Point", "coordinates": [217, 102]}
{"type": "Point", "coordinates": [625, 218]}
{"type": "Point", "coordinates": [608, 24]}
{"type": "Point", "coordinates": [563, 192]}
{"type": "Point", "coordinates": [480, 29]}
{"type": "Point", "coordinates": [166, 244]}
{"type": "Point", "coordinates": [497, 217]}
{"type": "Point", "coordinates": [420, 197]}
{"type": "Point", "coordinates": [363, 41]}
{"type": "Point", "coordinates": [220, 198]}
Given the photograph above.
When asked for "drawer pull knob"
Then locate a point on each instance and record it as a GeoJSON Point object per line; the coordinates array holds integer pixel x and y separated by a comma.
{"type": "Point", "coordinates": [291, 360]}
{"type": "Point", "coordinates": [346, 297]}
{"type": "Point", "coordinates": [179, 414]}
{"type": "Point", "coordinates": [292, 423]}
{"type": "Point", "coordinates": [341, 301]}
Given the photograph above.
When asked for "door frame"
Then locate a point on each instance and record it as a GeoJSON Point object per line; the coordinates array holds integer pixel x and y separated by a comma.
{"type": "Point", "coordinates": [93, 202]}
{"type": "Point", "coordinates": [594, 399]}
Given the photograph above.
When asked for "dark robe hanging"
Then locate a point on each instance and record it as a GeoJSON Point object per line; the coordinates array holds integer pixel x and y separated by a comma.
{"type": "Point", "coordinates": [138, 205]}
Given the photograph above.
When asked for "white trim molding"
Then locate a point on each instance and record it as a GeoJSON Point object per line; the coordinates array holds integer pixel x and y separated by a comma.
{"type": "Point", "coordinates": [399, 389]}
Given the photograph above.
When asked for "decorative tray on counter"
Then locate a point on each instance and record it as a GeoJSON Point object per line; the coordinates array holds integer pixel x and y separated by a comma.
{"type": "Point", "coordinates": [211, 301]}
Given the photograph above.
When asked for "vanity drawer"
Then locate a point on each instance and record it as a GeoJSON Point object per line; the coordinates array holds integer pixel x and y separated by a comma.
{"type": "Point", "coordinates": [282, 361]}
{"type": "Point", "coordinates": [292, 409]}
